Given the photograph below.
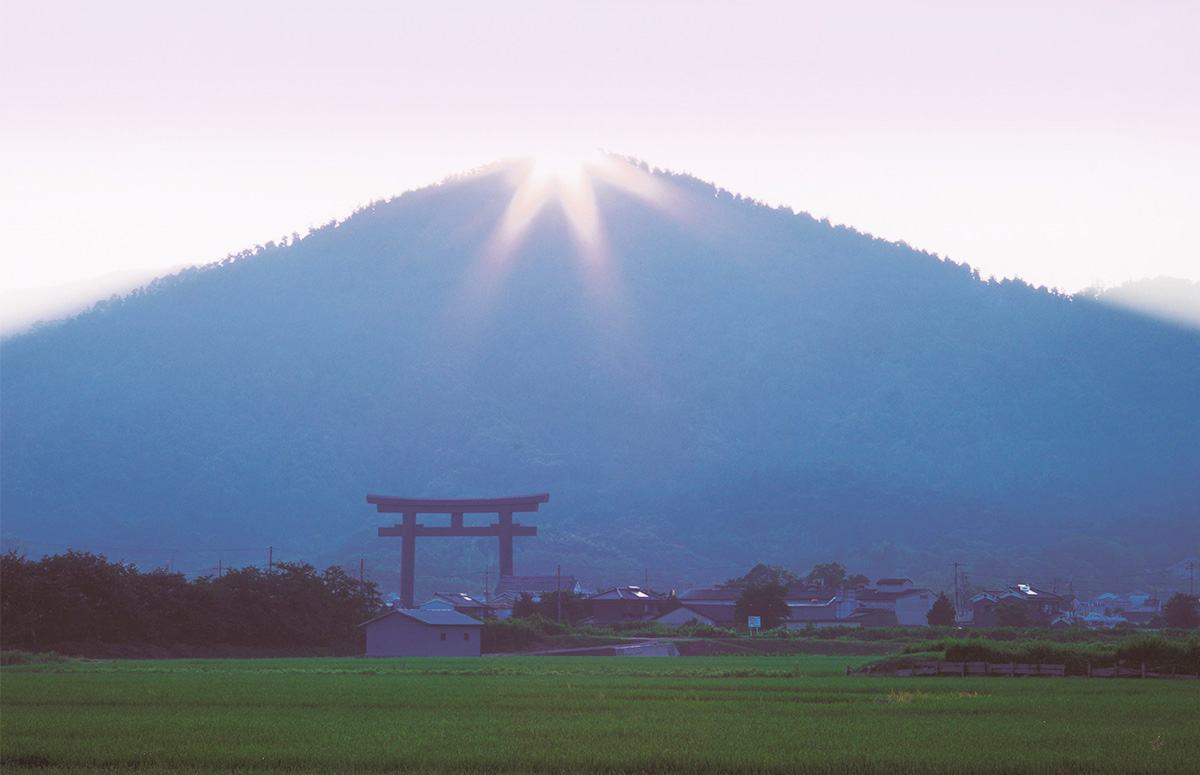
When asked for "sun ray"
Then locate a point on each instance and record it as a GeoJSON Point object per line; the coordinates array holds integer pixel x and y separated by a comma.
{"type": "Point", "coordinates": [567, 181]}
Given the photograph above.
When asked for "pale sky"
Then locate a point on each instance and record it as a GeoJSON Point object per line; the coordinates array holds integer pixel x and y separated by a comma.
{"type": "Point", "coordinates": [1054, 141]}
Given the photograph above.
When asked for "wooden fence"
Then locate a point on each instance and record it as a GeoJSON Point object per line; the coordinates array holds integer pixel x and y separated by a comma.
{"type": "Point", "coordinates": [1012, 669]}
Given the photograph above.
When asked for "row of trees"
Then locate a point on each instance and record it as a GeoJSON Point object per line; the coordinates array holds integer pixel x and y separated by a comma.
{"type": "Point", "coordinates": [827, 575]}
{"type": "Point", "coordinates": [80, 597]}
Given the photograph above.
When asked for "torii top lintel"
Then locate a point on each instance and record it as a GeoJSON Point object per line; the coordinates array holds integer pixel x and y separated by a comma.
{"type": "Point", "coordinates": [390, 504]}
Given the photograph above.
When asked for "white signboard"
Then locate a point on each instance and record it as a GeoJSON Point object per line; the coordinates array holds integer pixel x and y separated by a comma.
{"type": "Point", "coordinates": [754, 622]}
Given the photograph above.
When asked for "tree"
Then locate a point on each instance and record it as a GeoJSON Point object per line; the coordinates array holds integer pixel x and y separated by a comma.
{"type": "Point", "coordinates": [942, 613]}
{"type": "Point", "coordinates": [1012, 614]}
{"type": "Point", "coordinates": [763, 574]}
{"type": "Point", "coordinates": [829, 575]}
{"type": "Point", "coordinates": [768, 601]}
{"type": "Point", "coordinates": [1181, 611]}
{"type": "Point", "coordinates": [574, 607]}
{"type": "Point", "coordinates": [524, 606]}
{"type": "Point", "coordinates": [82, 598]}
{"type": "Point", "coordinates": [857, 581]}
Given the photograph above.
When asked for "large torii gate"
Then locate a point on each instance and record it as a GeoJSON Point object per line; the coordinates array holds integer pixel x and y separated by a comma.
{"type": "Point", "coordinates": [409, 530]}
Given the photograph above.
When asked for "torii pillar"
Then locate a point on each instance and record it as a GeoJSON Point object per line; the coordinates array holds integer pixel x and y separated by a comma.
{"type": "Point", "coordinates": [409, 530]}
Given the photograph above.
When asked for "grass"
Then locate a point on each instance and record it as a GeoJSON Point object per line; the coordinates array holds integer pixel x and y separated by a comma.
{"type": "Point", "coordinates": [529, 714]}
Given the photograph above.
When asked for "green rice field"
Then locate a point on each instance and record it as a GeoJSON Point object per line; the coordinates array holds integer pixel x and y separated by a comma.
{"type": "Point", "coordinates": [584, 714]}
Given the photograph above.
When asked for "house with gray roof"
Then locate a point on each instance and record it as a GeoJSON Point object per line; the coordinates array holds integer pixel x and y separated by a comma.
{"type": "Point", "coordinates": [625, 604]}
{"type": "Point", "coordinates": [413, 632]}
{"type": "Point", "coordinates": [893, 601]}
{"type": "Point", "coordinates": [716, 614]}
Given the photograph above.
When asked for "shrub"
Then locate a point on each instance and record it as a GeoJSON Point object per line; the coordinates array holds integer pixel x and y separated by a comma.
{"type": "Point", "coordinates": [18, 657]}
{"type": "Point", "coordinates": [1157, 652]}
{"type": "Point", "coordinates": [1161, 653]}
{"type": "Point", "coordinates": [517, 634]}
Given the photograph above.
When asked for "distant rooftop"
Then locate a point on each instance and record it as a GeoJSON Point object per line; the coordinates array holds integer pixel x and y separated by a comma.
{"type": "Point", "coordinates": [627, 593]}
{"type": "Point", "coordinates": [432, 618]}
{"type": "Point", "coordinates": [534, 584]}
{"type": "Point", "coordinates": [718, 612]}
{"type": "Point", "coordinates": [459, 599]}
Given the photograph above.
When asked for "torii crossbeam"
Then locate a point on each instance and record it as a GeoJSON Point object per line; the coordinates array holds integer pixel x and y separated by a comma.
{"type": "Point", "coordinates": [408, 530]}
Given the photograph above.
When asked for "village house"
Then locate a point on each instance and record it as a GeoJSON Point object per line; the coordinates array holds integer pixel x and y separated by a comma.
{"type": "Point", "coordinates": [809, 605]}
{"type": "Point", "coordinates": [814, 613]}
{"type": "Point", "coordinates": [461, 602]}
{"type": "Point", "coordinates": [712, 614]}
{"type": "Point", "coordinates": [893, 601]}
{"type": "Point", "coordinates": [1041, 606]}
{"type": "Point", "coordinates": [625, 604]}
{"type": "Point", "coordinates": [403, 632]}
{"type": "Point", "coordinates": [1110, 609]}
{"type": "Point", "coordinates": [1141, 608]}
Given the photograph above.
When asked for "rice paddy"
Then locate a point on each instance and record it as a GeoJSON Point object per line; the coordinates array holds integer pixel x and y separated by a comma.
{"type": "Point", "coordinates": [529, 714]}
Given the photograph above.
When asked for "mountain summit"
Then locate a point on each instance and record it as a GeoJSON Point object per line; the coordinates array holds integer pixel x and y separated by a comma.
{"type": "Point", "coordinates": [701, 382]}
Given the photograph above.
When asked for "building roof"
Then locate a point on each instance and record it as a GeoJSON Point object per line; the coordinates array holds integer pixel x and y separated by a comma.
{"type": "Point", "coordinates": [718, 612]}
{"type": "Point", "coordinates": [892, 582]}
{"type": "Point", "coordinates": [812, 603]}
{"type": "Point", "coordinates": [1019, 592]}
{"type": "Point", "coordinates": [627, 593]}
{"type": "Point", "coordinates": [534, 584]}
{"type": "Point", "coordinates": [431, 618]}
{"type": "Point", "coordinates": [868, 595]}
{"type": "Point", "coordinates": [813, 612]}
{"type": "Point", "coordinates": [711, 593]}
{"type": "Point", "coordinates": [460, 599]}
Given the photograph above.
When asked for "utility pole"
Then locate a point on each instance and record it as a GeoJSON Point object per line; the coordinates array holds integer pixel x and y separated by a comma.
{"type": "Point", "coordinates": [1192, 578]}
{"type": "Point", "coordinates": [270, 559]}
{"type": "Point", "coordinates": [487, 583]}
{"type": "Point", "coordinates": [361, 562]}
{"type": "Point", "coordinates": [558, 592]}
{"type": "Point", "coordinates": [957, 601]}
{"type": "Point", "coordinates": [219, 568]}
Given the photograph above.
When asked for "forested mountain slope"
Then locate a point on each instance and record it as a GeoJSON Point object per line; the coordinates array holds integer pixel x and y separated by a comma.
{"type": "Point", "coordinates": [715, 383]}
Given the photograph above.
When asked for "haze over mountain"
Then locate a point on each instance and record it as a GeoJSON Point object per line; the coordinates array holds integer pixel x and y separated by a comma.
{"type": "Point", "coordinates": [700, 382]}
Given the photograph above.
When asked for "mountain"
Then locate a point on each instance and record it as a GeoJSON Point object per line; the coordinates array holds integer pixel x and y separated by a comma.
{"type": "Point", "coordinates": [1170, 298]}
{"type": "Point", "coordinates": [700, 381]}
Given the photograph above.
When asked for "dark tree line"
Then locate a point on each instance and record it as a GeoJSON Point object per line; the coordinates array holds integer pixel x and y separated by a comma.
{"type": "Point", "coordinates": [80, 597]}
{"type": "Point", "coordinates": [829, 575]}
